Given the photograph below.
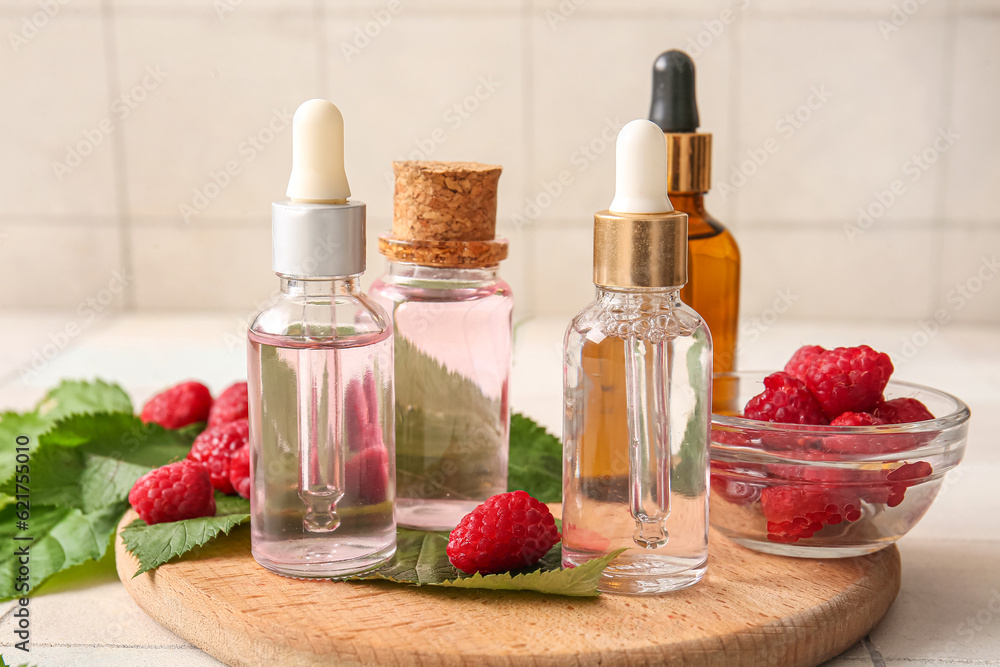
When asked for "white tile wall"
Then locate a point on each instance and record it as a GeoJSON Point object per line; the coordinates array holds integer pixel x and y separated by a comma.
{"type": "Point", "coordinates": [536, 82]}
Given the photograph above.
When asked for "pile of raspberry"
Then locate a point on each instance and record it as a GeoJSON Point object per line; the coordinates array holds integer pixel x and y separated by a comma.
{"type": "Point", "coordinates": [839, 387]}
{"type": "Point", "coordinates": [219, 459]}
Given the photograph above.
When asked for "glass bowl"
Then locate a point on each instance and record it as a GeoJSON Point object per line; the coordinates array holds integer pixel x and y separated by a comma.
{"type": "Point", "coordinates": [828, 491]}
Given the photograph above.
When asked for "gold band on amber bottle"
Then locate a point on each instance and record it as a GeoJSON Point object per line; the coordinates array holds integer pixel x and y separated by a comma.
{"type": "Point", "coordinates": [689, 162]}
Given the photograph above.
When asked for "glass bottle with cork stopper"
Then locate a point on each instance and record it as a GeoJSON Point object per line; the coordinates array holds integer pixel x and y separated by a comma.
{"type": "Point", "coordinates": [452, 319]}
{"type": "Point", "coordinates": [713, 287]}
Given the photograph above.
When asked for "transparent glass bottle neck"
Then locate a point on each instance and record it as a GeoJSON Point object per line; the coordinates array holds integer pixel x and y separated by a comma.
{"type": "Point", "coordinates": [320, 287]}
{"type": "Point", "coordinates": [419, 272]}
{"type": "Point", "coordinates": [673, 293]}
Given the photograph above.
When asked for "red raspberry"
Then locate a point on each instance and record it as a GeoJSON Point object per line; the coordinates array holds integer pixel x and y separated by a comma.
{"type": "Point", "coordinates": [367, 475]}
{"type": "Point", "coordinates": [173, 492]}
{"type": "Point", "coordinates": [230, 406]}
{"type": "Point", "coordinates": [187, 403]}
{"type": "Point", "coordinates": [239, 471]}
{"type": "Point", "coordinates": [215, 446]}
{"type": "Point", "coordinates": [798, 512]}
{"type": "Point", "coordinates": [856, 419]}
{"type": "Point", "coordinates": [903, 411]}
{"type": "Point", "coordinates": [857, 443]}
{"type": "Point", "coordinates": [802, 359]}
{"type": "Point", "coordinates": [508, 531]}
{"type": "Point", "coordinates": [785, 400]}
{"type": "Point", "coordinates": [849, 379]}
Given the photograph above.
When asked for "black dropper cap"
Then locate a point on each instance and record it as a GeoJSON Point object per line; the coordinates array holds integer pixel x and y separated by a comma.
{"type": "Point", "coordinates": [674, 107]}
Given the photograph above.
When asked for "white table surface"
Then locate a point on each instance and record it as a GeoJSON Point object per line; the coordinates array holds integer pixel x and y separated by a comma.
{"type": "Point", "coordinates": [947, 612]}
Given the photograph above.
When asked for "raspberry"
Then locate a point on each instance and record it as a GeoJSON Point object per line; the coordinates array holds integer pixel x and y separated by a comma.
{"type": "Point", "coordinates": [802, 359]}
{"type": "Point", "coordinates": [230, 406]}
{"type": "Point", "coordinates": [856, 419]}
{"type": "Point", "coordinates": [363, 427]}
{"type": "Point", "coordinates": [848, 379]}
{"type": "Point", "coordinates": [799, 512]}
{"type": "Point", "coordinates": [785, 400]}
{"type": "Point", "coordinates": [367, 475]}
{"type": "Point", "coordinates": [215, 446]}
{"type": "Point", "coordinates": [903, 411]}
{"type": "Point", "coordinates": [173, 492]}
{"type": "Point", "coordinates": [239, 471]}
{"type": "Point", "coordinates": [508, 531]}
{"type": "Point", "coordinates": [187, 403]}
{"type": "Point", "coordinates": [857, 443]}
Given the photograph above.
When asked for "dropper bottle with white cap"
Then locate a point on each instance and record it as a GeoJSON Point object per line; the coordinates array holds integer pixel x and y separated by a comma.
{"type": "Point", "coordinates": [637, 391]}
{"type": "Point", "coordinates": [320, 377]}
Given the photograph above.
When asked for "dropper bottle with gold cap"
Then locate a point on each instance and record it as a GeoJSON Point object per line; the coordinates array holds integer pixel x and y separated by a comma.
{"type": "Point", "coordinates": [320, 377]}
{"type": "Point", "coordinates": [637, 391]}
{"type": "Point", "coordinates": [713, 287]}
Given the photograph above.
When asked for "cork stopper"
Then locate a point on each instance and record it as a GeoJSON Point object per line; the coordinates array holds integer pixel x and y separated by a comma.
{"type": "Point", "coordinates": [444, 214]}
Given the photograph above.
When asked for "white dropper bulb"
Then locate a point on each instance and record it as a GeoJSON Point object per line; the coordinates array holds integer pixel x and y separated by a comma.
{"type": "Point", "coordinates": [318, 175]}
{"type": "Point", "coordinates": [641, 170]}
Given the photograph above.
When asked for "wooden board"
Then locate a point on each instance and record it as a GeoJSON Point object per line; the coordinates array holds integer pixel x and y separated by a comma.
{"type": "Point", "coordinates": [751, 609]}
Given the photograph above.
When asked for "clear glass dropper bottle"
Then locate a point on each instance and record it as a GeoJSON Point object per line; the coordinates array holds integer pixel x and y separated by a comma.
{"type": "Point", "coordinates": [320, 377]}
{"type": "Point", "coordinates": [637, 391]}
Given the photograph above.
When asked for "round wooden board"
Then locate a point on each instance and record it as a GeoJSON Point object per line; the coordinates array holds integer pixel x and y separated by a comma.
{"type": "Point", "coordinates": [751, 609]}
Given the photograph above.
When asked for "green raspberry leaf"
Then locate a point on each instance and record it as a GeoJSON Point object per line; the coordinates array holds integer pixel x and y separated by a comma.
{"type": "Point", "coordinates": [62, 537]}
{"type": "Point", "coordinates": [12, 425]}
{"type": "Point", "coordinates": [88, 461]}
{"type": "Point", "coordinates": [421, 560]}
{"type": "Point", "coordinates": [155, 545]}
{"type": "Point", "coordinates": [535, 460]}
{"type": "Point", "coordinates": [72, 397]}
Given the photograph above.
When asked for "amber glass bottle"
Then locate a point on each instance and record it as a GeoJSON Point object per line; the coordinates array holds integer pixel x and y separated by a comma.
{"type": "Point", "coordinates": [713, 287]}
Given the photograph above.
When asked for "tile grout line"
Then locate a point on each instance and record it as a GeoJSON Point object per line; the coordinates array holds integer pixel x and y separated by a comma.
{"type": "Point", "coordinates": [118, 158]}
{"type": "Point", "coordinates": [873, 653]}
{"type": "Point", "coordinates": [942, 190]}
{"type": "Point", "coordinates": [527, 143]}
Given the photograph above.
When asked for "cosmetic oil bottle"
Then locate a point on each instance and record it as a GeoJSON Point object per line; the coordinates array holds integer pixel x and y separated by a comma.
{"type": "Point", "coordinates": [713, 287]}
{"type": "Point", "coordinates": [451, 314]}
{"type": "Point", "coordinates": [637, 390]}
{"type": "Point", "coordinates": [320, 377]}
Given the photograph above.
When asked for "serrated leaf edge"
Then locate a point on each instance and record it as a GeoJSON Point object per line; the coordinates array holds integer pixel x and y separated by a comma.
{"type": "Point", "coordinates": [144, 568]}
{"type": "Point", "coordinates": [598, 564]}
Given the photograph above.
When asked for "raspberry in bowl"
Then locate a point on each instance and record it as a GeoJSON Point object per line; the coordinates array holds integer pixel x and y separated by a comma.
{"type": "Point", "coordinates": [795, 480]}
